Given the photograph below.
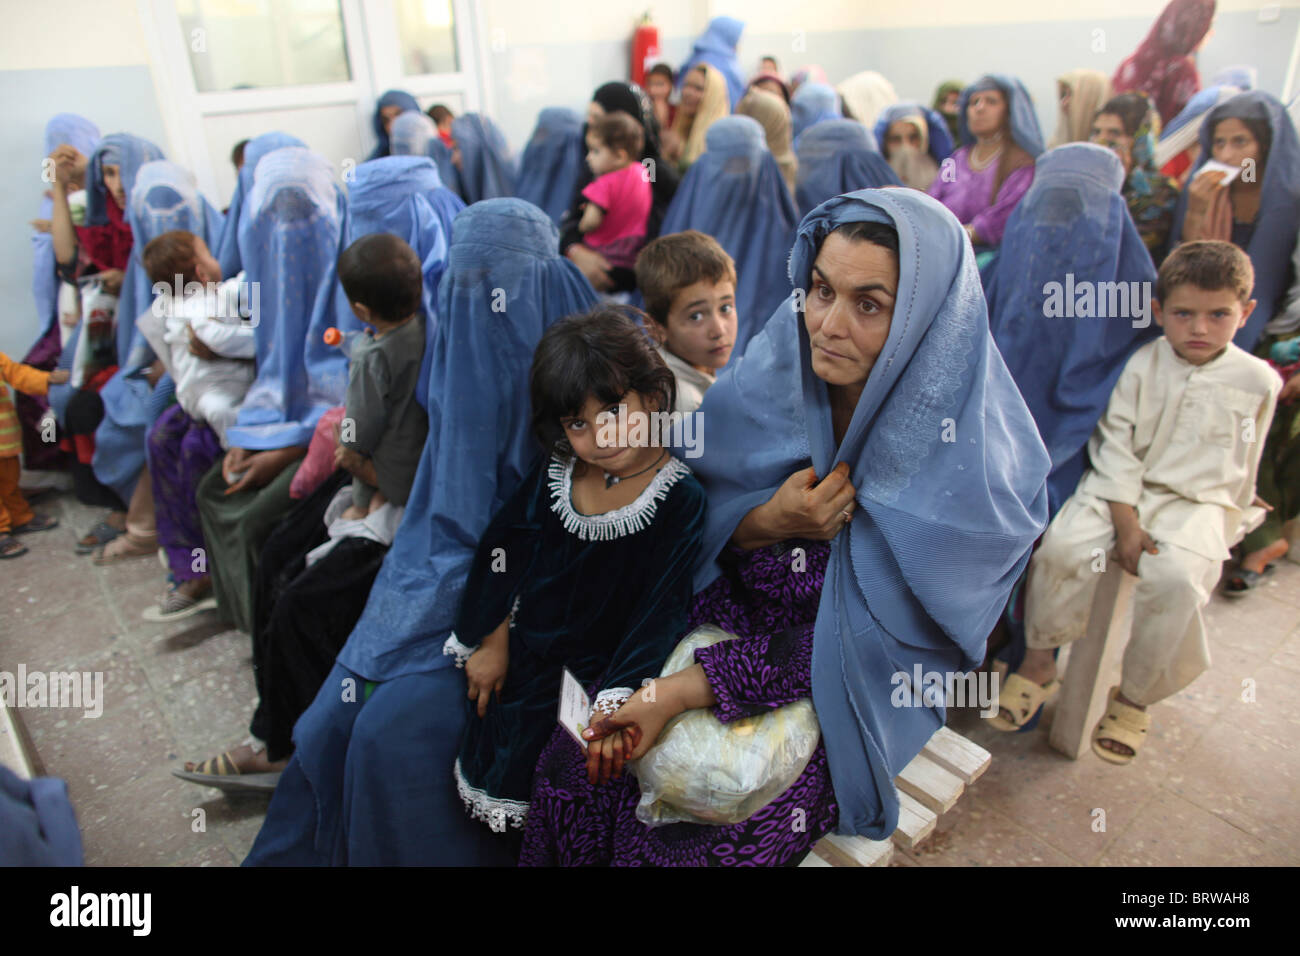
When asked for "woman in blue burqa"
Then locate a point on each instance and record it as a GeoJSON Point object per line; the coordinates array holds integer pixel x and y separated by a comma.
{"type": "Point", "coordinates": [370, 782]}
{"type": "Point", "coordinates": [875, 484]}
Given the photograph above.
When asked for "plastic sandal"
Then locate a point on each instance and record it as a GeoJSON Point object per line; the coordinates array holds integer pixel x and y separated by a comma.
{"type": "Point", "coordinates": [102, 534]}
{"type": "Point", "coordinates": [1249, 581]}
{"type": "Point", "coordinates": [221, 772]}
{"type": "Point", "coordinates": [11, 547]}
{"type": "Point", "coordinates": [1124, 725]}
{"type": "Point", "coordinates": [1022, 698]}
{"type": "Point", "coordinates": [39, 522]}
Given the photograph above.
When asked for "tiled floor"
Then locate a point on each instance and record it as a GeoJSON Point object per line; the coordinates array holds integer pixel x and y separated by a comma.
{"type": "Point", "coordinates": [1216, 785]}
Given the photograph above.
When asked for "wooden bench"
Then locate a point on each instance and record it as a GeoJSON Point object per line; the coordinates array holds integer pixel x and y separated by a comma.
{"type": "Point", "coordinates": [928, 787]}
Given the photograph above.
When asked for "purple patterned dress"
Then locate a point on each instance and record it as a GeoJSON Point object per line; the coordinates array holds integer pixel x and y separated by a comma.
{"type": "Point", "coordinates": [770, 602]}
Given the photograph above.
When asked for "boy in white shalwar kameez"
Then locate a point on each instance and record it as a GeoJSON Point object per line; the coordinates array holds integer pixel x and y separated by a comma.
{"type": "Point", "coordinates": [1170, 489]}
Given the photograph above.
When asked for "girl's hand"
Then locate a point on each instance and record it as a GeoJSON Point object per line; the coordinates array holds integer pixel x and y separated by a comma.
{"type": "Point", "coordinates": [59, 376]}
{"type": "Point", "coordinates": [485, 672]}
{"type": "Point", "coordinates": [637, 725]}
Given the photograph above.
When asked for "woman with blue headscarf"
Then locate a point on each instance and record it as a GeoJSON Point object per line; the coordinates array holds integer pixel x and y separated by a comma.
{"type": "Point", "coordinates": [227, 248]}
{"type": "Point", "coordinates": [1259, 211]}
{"type": "Point", "coordinates": [552, 161]}
{"type": "Point", "coordinates": [915, 141]}
{"type": "Point", "coordinates": [371, 778]}
{"type": "Point", "coordinates": [414, 134]}
{"type": "Point", "coordinates": [1180, 139]}
{"type": "Point", "coordinates": [848, 540]}
{"type": "Point", "coordinates": [835, 157]}
{"type": "Point", "coordinates": [288, 239]}
{"type": "Point", "coordinates": [63, 129]}
{"type": "Point", "coordinates": [735, 193]}
{"type": "Point", "coordinates": [305, 606]}
{"type": "Point", "coordinates": [482, 159]}
{"type": "Point", "coordinates": [993, 168]}
{"type": "Point", "coordinates": [387, 108]}
{"type": "Point", "coordinates": [811, 104]}
{"type": "Point", "coordinates": [717, 47]}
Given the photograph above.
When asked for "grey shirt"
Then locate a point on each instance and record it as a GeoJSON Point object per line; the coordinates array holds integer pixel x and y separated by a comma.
{"type": "Point", "coordinates": [387, 423]}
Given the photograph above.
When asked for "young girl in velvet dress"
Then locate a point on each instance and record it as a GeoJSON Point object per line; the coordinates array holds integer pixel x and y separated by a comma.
{"type": "Point", "coordinates": [587, 567]}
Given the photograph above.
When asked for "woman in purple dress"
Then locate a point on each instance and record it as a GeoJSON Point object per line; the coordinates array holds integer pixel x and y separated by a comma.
{"type": "Point", "coordinates": [901, 556]}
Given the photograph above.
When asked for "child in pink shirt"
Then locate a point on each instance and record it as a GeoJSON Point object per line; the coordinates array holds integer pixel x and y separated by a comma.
{"type": "Point", "coordinates": [619, 198]}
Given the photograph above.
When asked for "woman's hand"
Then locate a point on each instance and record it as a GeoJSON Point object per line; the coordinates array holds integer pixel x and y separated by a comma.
{"type": "Point", "coordinates": [1208, 207]}
{"type": "Point", "coordinates": [591, 264]}
{"type": "Point", "coordinates": [69, 166]}
{"type": "Point", "coordinates": [261, 468]}
{"type": "Point", "coordinates": [111, 279]}
{"type": "Point", "coordinates": [802, 507]}
{"type": "Point", "coordinates": [485, 673]}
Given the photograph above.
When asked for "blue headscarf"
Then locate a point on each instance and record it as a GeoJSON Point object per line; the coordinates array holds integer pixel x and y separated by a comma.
{"type": "Point", "coordinates": [440, 153]}
{"type": "Point", "coordinates": [717, 47]}
{"type": "Point", "coordinates": [288, 239]}
{"type": "Point", "coordinates": [83, 135]}
{"type": "Point", "coordinates": [486, 169]}
{"type": "Point", "coordinates": [394, 195]}
{"type": "Point", "coordinates": [1072, 221]}
{"type": "Point", "coordinates": [735, 193]}
{"type": "Point", "coordinates": [414, 134]}
{"type": "Point", "coordinates": [940, 140]}
{"type": "Point", "coordinates": [1020, 107]}
{"type": "Point", "coordinates": [392, 98]}
{"type": "Point", "coordinates": [1273, 238]}
{"type": "Point", "coordinates": [811, 104]}
{"type": "Point", "coordinates": [503, 252]}
{"type": "Point", "coordinates": [227, 252]}
{"type": "Point", "coordinates": [128, 153]}
{"type": "Point", "coordinates": [838, 156]}
{"type": "Point", "coordinates": [552, 161]}
{"type": "Point", "coordinates": [943, 528]}
{"type": "Point", "coordinates": [164, 197]}
{"type": "Point", "coordinates": [1242, 77]}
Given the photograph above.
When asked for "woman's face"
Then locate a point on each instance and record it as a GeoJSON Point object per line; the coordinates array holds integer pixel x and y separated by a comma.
{"type": "Point", "coordinates": [113, 183]}
{"type": "Point", "coordinates": [849, 309]}
{"type": "Point", "coordinates": [1233, 143]}
{"type": "Point", "coordinates": [951, 103]}
{"type": "Point", "coordinates": [386, 116]}
{"type": "Point", "coordinates": [657, 87]}
{"type": "Point", "coordinates": [985, 112]}
{"type": "Point", "coordinates": [902, 134]}
{"type": "Point", "coordinates": [1108, 131]}
{"type": "Point", "coordinates": [693, 91]}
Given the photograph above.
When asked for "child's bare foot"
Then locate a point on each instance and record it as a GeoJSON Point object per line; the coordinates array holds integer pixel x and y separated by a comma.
{"type": "Point", "coordinates": [1253, 566]}
{"type": "Point", "coordinates": [353, 513]}
{"type": "Point", "coordinates": [377, 501]}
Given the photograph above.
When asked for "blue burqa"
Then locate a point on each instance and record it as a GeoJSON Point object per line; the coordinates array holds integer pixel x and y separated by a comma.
{"type": "Point", "coordinates": [486, 169]}
{"type": "Point", "coordinates": [951, 490]}
{"type": "Point", "coordinates": [939, 139]}
{"type": "Point", "coordinates": [717, 47]}
{"type": "Point", "coordinates": [38, 826]}
{"type": "Point", "coordinates": [1073, 222]}
{"type": "Point", "coordinates": [83, 135]}
{"type": "Point", "coordinates": [735, 193]}
{"type": "Point", "coordinates": [835, 157]}
{"type": "Point", "coordinates": [552, 161]}
{"type": "Point", "coordinates": [371, 779]}
{"type": "Point", "coordinates": [392, 98]}
{"type": "Point", "coordinates": [414, 134]}
{"type": "Point", "coordinates": [395, 194]}
{"type": "Point", "coordinates": [288, 239]}
{"type": "Point", "coordinates": [1273, 238]}
{"type": "Point", "coordinates": [811, 104]}
{"type": "Point", "coordinates": [163, 197]}
{"type": "Point", "coordinates": [227, 252]}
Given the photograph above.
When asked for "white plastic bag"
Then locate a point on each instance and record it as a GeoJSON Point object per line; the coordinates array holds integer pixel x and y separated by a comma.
{"type": "Point", "coordinates": [98, 315]}
{"type": "Point", "coordinates": [705, 771]}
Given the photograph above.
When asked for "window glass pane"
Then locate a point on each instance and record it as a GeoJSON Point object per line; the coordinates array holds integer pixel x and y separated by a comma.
{"type": "Point", "coordinates": [428, 37]}
{"type": "Point", "coordinates": [253, 44]}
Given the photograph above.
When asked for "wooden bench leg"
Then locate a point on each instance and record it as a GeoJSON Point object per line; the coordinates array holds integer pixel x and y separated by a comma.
{"type": "Point", "coordinates": [1083, 698]}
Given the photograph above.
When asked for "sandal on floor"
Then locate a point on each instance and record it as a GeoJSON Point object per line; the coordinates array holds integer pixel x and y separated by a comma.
{"type": "Point", "coordinates": [221, 772]}
{"type": "Point", "coordinates": [11, 547]}
{"type": "Point", "coordinates": [1122, 724]}
{"type": "Point", "coordinates": [176, 606]}
{"type": "Point", "coordinates": [124, 549]}
{"type": "Point", "coordinates": [99, 536]}
{"type": "Point", "coordinates": [1022, 698]}
{"type": "Point", "coordinates": [1247, 581]}
{"type": "Point", "coordinates": [39, 522]}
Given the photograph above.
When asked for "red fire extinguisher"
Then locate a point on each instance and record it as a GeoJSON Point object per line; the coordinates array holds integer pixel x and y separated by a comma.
{"type": "Point", "coordinates": [645, 49]}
